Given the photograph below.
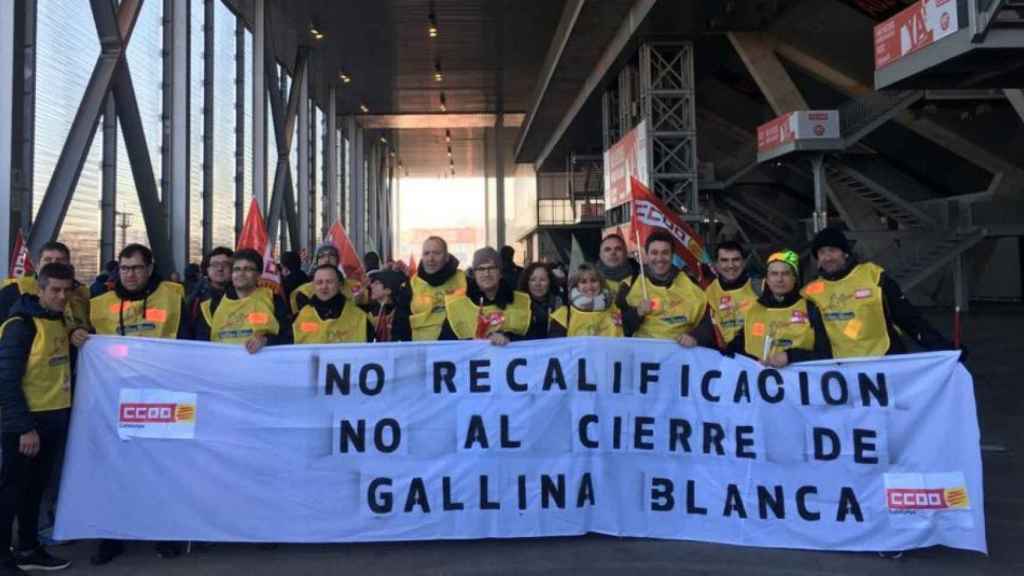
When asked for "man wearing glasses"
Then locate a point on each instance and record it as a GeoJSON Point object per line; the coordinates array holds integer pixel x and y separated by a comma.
{"type": "Point", "coordinates": [216, 279]}
{"type": "Point", "coordinates": [490, 309]}
{"type": "Point", "coordinates": [246, 313]}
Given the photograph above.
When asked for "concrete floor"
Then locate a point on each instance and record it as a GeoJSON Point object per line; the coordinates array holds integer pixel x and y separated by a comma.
{"type": "Point", "coordinates": [996, 359]}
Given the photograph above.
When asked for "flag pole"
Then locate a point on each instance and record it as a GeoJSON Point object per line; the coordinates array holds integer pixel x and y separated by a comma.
{"type": "Point", "coordinates": [956, 328]}
{"type": "Point", "coordinates": [643, 275]}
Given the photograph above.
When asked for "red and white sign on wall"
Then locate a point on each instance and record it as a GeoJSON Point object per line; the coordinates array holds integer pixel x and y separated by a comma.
{"type": "Point", "coordinates": [920, 25]}
{"type": "Point", "coordinates": [626, 159]}
{"type": "Point", "coordinates": [799, 125]}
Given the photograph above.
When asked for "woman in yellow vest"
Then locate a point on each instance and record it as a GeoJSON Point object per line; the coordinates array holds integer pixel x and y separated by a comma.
{"type": "Point", "coordinates": [663, 302]}
{"type": "Point", "coordinates": [539, 282]}
{"type": "Point", "coordinates": [246, 313]}
{"type": "Point", "coordinates": [437, 277]}
{"type": "Point", "coordinates": [782, 327]}
{"type": "Point", "coordinates": [329, 317]}
{"type": "Point", "coordinates": [490, 309]}
{"type": "Point", "coordinates": [591, 311]}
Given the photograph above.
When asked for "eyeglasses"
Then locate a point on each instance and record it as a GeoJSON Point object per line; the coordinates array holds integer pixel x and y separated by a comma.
{"type": "Point", "coordinates": [244, 269]}
{"type": "Point", "coordinates": [132, 269]}
{"type": "Point", "coordinates": [220, 265]}
{"type": "Point", "coordinates": [485, 269]}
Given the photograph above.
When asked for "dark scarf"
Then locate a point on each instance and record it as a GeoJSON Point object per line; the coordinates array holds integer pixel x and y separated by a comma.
{"type": "Point", "coordinates": [737, 283]}
{"type": "Point", "coordinates": [663, 281]}
{"type": "Point", "coordinates": [125, 294]}
{"type": "Point", "coordinates": [618, 273]}
{"type": "Point", "coordinates": [851, 263]}
{"type": "Point", "coordinates": [768, 299]}
{"type": "Point", "coordinates": [330, 309]}
{"type": "Point", "coordinates": [501, 299]}
{"type": "Point", "coordinates": [441, 276]}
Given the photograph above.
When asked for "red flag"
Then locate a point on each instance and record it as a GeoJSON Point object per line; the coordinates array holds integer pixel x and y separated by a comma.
{"type": "Point", "coordinates": [254, 237]}
{"type": "Point", "coordinates": [21, 260]}
{"type": "Point", "coordinates": [482, 323]}
{"type": "Point", "coordinates": [350, 263]}
{"type": "Point", "coordinates": [412, 265]}
{"type": "Point", "coordinates": [650, 213]}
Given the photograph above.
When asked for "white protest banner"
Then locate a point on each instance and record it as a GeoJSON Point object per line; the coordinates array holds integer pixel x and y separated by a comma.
{"type": "Point", "coordinates": [466, 440]}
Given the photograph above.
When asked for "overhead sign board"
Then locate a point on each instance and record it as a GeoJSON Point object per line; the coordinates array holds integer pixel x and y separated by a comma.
{"type": "Point", "coordinates": [801, 125]}
{"type": "Point", "coordinates": [917, 27]}
{"type": "Point", "coordinates": [626, 159]}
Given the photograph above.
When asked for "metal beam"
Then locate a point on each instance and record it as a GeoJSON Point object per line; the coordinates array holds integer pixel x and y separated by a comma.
{"type": "Point", "coordinates": [439, 120]}
{"type": "Point", "coordinates": [239, 126]}
{"type": "Point", "coordinates": [108, 193]}
{"type": "Point", "coordinates": [24, 117]}
{"type": "Point", "coordinates": [284, 128]}
{"type": "Point", "coordinates": [357, 159]}
{"type": "Point", "coordinates": [300, 86]}
{"type": "Point", "coordinates": [83, 129]}
{"type": "Point", "coordinates": [611, 53]}
{"type": "Point", "coordinates": [1016, 98]}
{"type": "Point", "coordinates": [208, 77]}
{"type": "Point", "coordinates": [259, 104]}
{"type": "Point", "coordinates": [331, 160]}
{"type": "Point", "coordinates": [6, 129]}
{"type": "Point", "coordinates": [176, 197]}
{"type": "Point", "coordinates": [758, 53]}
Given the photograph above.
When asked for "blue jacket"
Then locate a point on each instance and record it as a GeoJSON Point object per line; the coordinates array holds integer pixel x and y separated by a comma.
{"type": "Point", "coordinates": [15, 345]}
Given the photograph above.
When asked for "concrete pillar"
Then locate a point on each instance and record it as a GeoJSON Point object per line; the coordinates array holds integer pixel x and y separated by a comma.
{"type": "Point", "coordinates": [176, 196]}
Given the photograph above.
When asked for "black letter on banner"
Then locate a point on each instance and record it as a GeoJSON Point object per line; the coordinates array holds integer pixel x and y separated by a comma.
{"type": "Point", "coordinates": [550, 491]}
{"type": "Point", "coordinates": [733, 502]}
{"type": "Point", "coordinates": [417, 496]}
{"type": "Point", "coordinates": [684, 381]}
{"type": "Point", "coordinates": [863, 445]}
{"type": "Point", "coordinates": [522, 492]}
{"type": "Point", "coordinates": [742, 388]}
{"type": "Point", "coordinates": [554, 375]}
{"type": "Point", "coordinates": [819, 448]}
{"type": "Point", "coordinates": [826, 388]}
{"type": "Point", "coordinates": [486, 504]}
{"type": "Point", "coordinates": [642, 430]}
{"type": "Point", "coordinates": [510, 375]}
{"type": "Point", "coordinates": [506, 434]}
{"type": "Point", "coordinates": [713, 436]}
{"type": "Point", "coordinates": [378, 380]}
{"type": "Point", "coordinates": [805, 389]}
{"type": "Point", "coordinates": [476, 433]}
{"type": "Point", "coordinates": [876, 389]}
{"type": "Point", "coordinates": [744, 441]}
{"type": "Point", "coordinates": [616, 377]}
{"type": "Point", "coordinates": [679, 431]}
{"type": "Point", "coordinates": [585, 495]}
{"type": "Point", "coordinates": [582, 384]}
{"type": "Point", "coordinates": [444, 372]}
{"type": "Point", "coordinates": [801, 503]}
{"type": "Point", "coordinates": [762, 386]}
{"type": "Point", "coordinates": [848, 505]}
{"type": "Point", "coordinates": [648, 375]}
{"type": "Point", "coordinates": [705, 385]}
{"type": "Point", "coordinates": [477, 372]}
{"type": "Point", "coordinates": [356, 436]}
{"type": "Point", "coordinates": [617, 432]}
{"type": "Point", "coordinates": [383, 505]}
{"type": "Point", "coordinates": [378, 435]}
{"type": "Point", "coordinates": [446, 496]}
{"type": "Point", "coordinates": [691, 500]}
{"type": "Point", "coordinates": [341, 381]}
{"type": "Point", "coordinates": [766, 500]}
{"type": "Point", "coordinates": [661, 495]}
{"type": "Point", "coordinates": [586, 421]}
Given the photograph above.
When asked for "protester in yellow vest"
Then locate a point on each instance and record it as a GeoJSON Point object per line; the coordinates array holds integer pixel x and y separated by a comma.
{"type": "Point", "coordinates": [326, 255]}
{"type": "Point", "coordinates": [437, 277]}
{"type": "Point", "coordinates": [490, 309]}
{"type": "Point", "coordinates": [614, 263]}
{"type": "Point", "coordinates": [329, 317]}
{"type": "Point", "coordinates": [214, 282]}
{"type": "Point", "coordinates": [35, 401]}
{"type": "Point", "coordinates": [782, 327]}
{"type": "Point", "coordinates": [77, 311]}
{"type": "Point", "coordinates": [663, 302]}
{"type": "Point", "coordinates": [732, 293]}
{"type": "Point", "coordinates": [246, 313]}
{"type": "Point", "coordinates": [591, 310]}
{"type": "Point", "coordinates": [389, 310]}
{"type": "Point", "coordinates": [862, 306]}
{"type": "Point", "coordinates": [539, 281]}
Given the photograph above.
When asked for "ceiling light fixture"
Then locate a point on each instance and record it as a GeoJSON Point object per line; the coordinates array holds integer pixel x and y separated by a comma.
{"type": "Point", "coordinates": [316, 31]}
{"type": "Point", "coordinates": [448, 136]}
{"type": "Point", "coordinates": [364, 108]}
{"type": "Point", "coordinates": [383, 140]}
{"type": "Point", "coordinates": [432, 30]}
{"type": "Point", "coordinates": [444, 103]}
{"type": "Point", "coordinates": [344, 77]}
{"type": "Point", "coordinates": [438, 75]}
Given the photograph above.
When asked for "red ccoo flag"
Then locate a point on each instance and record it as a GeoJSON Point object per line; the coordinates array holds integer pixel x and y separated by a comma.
{"type": "Point", "coordinates": [350, 263]}
{"type": "Point", "coordinates": [254, 237]}
{"type": "Point", "coordinates": [21, 260]}
{"type": "Point", "coordinates": [650, 213]}
{"type": "Point", "coordinates": [412, 265]}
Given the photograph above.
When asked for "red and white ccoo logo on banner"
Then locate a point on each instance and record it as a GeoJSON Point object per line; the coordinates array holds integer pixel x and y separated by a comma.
{"type": "Point", "coordinates": [926, 492]}
{"type": "Point", "coordinates": [156, 413]}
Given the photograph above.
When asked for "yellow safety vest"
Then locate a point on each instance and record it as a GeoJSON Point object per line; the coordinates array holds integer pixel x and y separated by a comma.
{"type": "Point", "coordinates": [463, 315]}
{"type": "Point", "coordinates": [676, 309]}
{"type": "Point", "coordinates": [789, 328]}
{"type": "Point", "coordinates": [236, 320]}
{"type": "Point", "coordinates": [853, 312]}
{"type": "Point", "coordinates": [350, 326]}
{"type": "Point", "coordinates": [607, 322]}
{"type": "Point", "coordinates": [162, 315]}
{"type": "Point", "coordinates": [47, 380]}
{"type": "Point", "coordinates": [428, 305]}
{"type": "Point", "coordinates": [351, 291]}
{"type": "Point", "coordinates": [76, 311]}
{"type": "Point", "coordinates": [613, 287]}
{"type": "Point", "coordinates": [729, 307]}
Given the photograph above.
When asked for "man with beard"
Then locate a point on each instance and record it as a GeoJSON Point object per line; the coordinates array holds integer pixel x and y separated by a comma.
{"type": "Point", "coordinates": [614, 264]}
{"type": "Point", "coordinates": [490, 308]}
{"type": "Point", "coordinates": [329, 317]}
{"type": "Point", "coordinates": [216, 279]}
{"type": "Point", "coordinates": [437, 277]}
{"type": "Point", "coordinates": [77, 312]}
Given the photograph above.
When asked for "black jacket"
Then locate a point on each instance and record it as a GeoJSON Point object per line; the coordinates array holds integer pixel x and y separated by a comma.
{"type": "Point", "coordinates": [10, 294]}
{"type": "Point", "coordinates": [540, 316]}
{"type": "Point", "coordinates": [281, 313]}
{"type": "Point", "coordinates": [822, 345]}
{"type": "Point", "coordinates": [441, 276]}
{"type": "Point", "coordinates": [203, 292]}
{"type": "Point", "coordinates": [15, 345]}
{"type": "Point", "coordinates": [704, 333]}
{"type": "Point", "coordinates": [398, 311]}
{"type": "Point", "coordinates": [292, 281]}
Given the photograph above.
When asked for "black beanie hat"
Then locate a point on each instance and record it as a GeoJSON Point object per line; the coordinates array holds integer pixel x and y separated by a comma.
{"type": "Point", "coordinates": [391, 279]}
{"type": "Point", "coordinates": [833, 237]}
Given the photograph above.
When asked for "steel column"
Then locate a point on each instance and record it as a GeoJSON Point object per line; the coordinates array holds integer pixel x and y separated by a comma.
{"type": "Point", "coordinates": [259, 104]}
{"type": "Point", "coordinates": [820, 217]}
{"type": "Point", "coordinates": [114, 32]}
{"type": "Point", "coordinates": [6, 128]}
{"type": "Point", "coordinates": [208, 77]}
{"type": "Point", "coordinates": [176, 196]}
{"type": "Point", "coordinates": [24, 118]}
{"type": "Point", "coordinates": [499, 178]}
{"type": "Point", "coordinates": [301, 85]}
{"type": "Point", "coordinates": [357, 158]}
{"type": "Point", "coordinates": [1016, 98]}
{"type": "Point", "coordinates": [239, 126]}
{"type": "Point", "coordinates": [108, 195]}
{"type": "Point", "coordinates": [372, 188]}
{"type": "Point", "coordinates": [284, 128]}
{"type": "Point", "coordinates": [331, 146]}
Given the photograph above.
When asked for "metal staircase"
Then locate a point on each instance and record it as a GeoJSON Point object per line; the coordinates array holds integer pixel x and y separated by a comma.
{"type": "Point", "coordinates": [844, 178]}
{"type": "Point", "coordinates": [932, 256]}
{"type": "Point", "coordinates": [863, 114]}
